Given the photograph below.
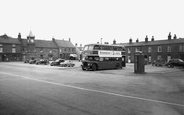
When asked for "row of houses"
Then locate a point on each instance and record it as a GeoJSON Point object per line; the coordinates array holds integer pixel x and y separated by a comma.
{"type": "Point", "coordinates": [20, 49]}
{"type": "Point", "coordinates": [154, 50]}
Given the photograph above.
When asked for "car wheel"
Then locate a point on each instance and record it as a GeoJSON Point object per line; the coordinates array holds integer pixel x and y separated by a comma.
{"type": "Point", "coordinates": [94, 67]}
{"type": "Point", "coordinates": [65, 65]}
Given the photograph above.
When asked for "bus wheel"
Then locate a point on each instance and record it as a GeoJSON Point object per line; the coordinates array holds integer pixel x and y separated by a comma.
{"type": "Point", "coordinates": [94, 67]}
{"type": "Point", "coordinates": [117, 66]}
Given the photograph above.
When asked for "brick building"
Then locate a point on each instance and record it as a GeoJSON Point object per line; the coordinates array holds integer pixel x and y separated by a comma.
{"type": "Point", "coordinates": [19, 49]}
{"type": "Point", "coordinates": [156, 49]}
{"type": "Point", "coordinates": [65, 48]}
{"type": "Point", "coordinates": [10, 49]}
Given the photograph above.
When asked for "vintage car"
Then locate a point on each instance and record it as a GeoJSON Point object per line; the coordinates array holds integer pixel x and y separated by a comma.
{"type": "Point", "coordinates": [67, 63]}
{"type": "Point", "coordinates": [159, 63]}
{"type": "Point", "coordinates": [175, 62]}
{"type": "Point", "coordinates": [26, 61]}
{"type": "Point", "coordinates": [42, 61]}
{"type": "Point", "coordinates": [32, 61]}
{"type": "Point", "coordinates": [57, 62]}
{"type": "Point", "coordinates": [73, 56]}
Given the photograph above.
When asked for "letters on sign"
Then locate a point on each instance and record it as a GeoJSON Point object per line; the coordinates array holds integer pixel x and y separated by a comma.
{"type": "Point", "coordinates": [109, 52]}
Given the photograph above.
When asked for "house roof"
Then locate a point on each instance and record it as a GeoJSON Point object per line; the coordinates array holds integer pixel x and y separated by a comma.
{"type": "Point", "coordinates": [64, 43]}
{"type": "Point", "coordinates": [157, 42]}
{"type": "Point", "coordinates": [24, 42]}
{"type": "Point", "coordinates": [44, 43]}
{"type": "Point", "coordinates": [9, 40]}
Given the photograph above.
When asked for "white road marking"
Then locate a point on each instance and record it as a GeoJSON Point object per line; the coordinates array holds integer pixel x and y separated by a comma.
{"type": "Point", "coordinates": [97, 91]}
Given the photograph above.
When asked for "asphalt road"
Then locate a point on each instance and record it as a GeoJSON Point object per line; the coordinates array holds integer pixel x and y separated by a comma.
{"type": "Point", "coordinates": [27, 89]}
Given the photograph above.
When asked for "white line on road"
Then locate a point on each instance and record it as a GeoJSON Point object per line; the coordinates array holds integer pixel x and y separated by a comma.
{"type": "Point", "coordinates": [97, 91]}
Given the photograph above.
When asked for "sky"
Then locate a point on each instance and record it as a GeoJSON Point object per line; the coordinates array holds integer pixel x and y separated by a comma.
{"type": "Point", "coordinates": [87, 21]}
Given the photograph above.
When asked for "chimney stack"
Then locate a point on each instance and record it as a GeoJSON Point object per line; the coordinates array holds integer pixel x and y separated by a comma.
{"type": "Point", "coordinates": [146, 39]}
{"type": "Point", "coordinates": [130, 40]}
{"type": "Point", "coordinates": [152, 39]}
{"type": "Point", "coordinates": [19, 36]}
{"type": "Point", "coordinates": [114, 42]}
{"type": "Point", "coordinates": [175, 37]}
{"type": "Point", "coordinates": [169, 36]}
{"type": "Point", "coordinates": [137, 40]}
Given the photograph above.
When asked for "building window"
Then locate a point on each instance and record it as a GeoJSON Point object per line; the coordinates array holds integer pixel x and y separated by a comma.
{"type": "Point", "coordinates": [180, 48]}
{"type": "Point", "coordinates": [159, 57]}
{"type": "Point", "coordinates": [73, 49]}
{"type": "Point", "coordinates": [13, 50]}
{"type": "Point", "coordinates": [159, 48]}
{"type": "Point", "coordinates": [13, 45]}
{"type": "Point", "coordinates": [32, 40]}
{"type": "Point", "coordinates": [137, 49]}
{"type": "Point", "coordinates": [149, 59]}
{"type": "Point", "coordinates": [129, 50]}
{"type": "Point", "coordinates": [149, 49]}
{"type": "Point", "coordinates": [1, 50]}
{"type": "Point", "coordinates": [168, 48]}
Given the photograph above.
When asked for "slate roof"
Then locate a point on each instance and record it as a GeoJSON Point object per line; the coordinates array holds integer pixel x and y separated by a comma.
{"type": "Point", "coordinates": [64, 43]}
{"type": "Point", "coordinates": [44, 43]}
{"type": "Point", "coordinates": [24, 42]}
{"type": "Point", "coordinates": [156, 42]}
{"type": "Point", "coordinates": [9, 40]}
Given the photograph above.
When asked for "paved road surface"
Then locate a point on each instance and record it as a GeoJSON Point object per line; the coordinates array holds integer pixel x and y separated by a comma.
{"type": "Point", "coordinates": [44, 90]}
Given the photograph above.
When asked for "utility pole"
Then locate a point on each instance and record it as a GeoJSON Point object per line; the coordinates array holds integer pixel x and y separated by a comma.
{"type": "Point", "coordinates": [101, 40]}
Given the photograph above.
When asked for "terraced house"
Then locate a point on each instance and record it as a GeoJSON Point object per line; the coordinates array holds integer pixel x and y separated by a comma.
{"type": "Point", "coordinates": [10, 49]}
{"type": "Point", "coordinates": [156, 49]}
{"type": "Point", "coordinates": [19, 49]}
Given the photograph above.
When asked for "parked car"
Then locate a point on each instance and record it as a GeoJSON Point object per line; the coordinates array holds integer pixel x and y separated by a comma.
{"type": "Point", "coordinates": [159, 63]}
{"type": "Point", "coordinates": [42, 61]}
{"type": "Point", "coordinates": [26, 61]}
{"type": "Point", "coordinates": [32, 61]}
{"type": "Point", "coordinates": [67, 63]}
{"type": "Point", "coordinates": [73, 56]}
{"type": "Point", "coordinates": [175, 62]}
{"type": "Point", "coordinates": [57, 62]}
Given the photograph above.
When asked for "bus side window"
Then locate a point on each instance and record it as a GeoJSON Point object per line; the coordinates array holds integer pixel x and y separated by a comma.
{"type": "Point", "coordinates": [96, 58]}
{"type": "Point", "coordinates": [106, 59]}
{"type": "Point", "coordinates": [101, 58]}
{"type": "Point", "coordinates": [96, 47]}
{"type": "Point", "coordinates": [117, 59]}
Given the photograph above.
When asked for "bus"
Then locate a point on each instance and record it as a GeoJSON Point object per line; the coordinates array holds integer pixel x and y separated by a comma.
{"type": "Point", "coordinates": [103, 56]}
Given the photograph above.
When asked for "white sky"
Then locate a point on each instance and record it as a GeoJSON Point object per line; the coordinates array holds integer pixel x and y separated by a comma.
{"type": "Point", "coordinates": [87, 21]}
